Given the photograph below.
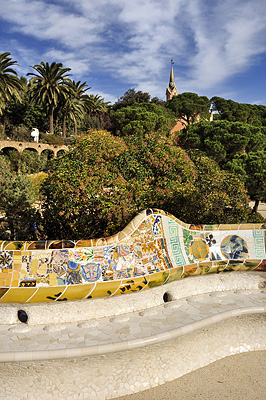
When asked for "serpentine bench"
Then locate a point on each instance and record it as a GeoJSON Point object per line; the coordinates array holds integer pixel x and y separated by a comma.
{"type": "Point", "coordinates": [102, 345]}
{"type": "Point", "coordinates": [154, 249]}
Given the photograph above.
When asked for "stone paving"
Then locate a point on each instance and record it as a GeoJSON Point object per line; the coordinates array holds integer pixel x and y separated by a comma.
{"type": "Point", "coordinates": [20, 342]}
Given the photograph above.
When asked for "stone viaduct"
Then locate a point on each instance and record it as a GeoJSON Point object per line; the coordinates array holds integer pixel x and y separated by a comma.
{"type": "Point", "coordinates": [39, 147]}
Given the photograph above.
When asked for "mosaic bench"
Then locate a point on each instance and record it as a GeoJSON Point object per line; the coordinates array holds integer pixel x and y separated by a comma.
{"type": "Point", "coordinates": [155, 248]}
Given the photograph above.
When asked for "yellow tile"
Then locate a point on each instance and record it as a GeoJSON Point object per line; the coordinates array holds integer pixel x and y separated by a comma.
{"type": "Point", "coordinates": [35, 263]}
{"type": "Point", "coordinates": [17, 295]}
{"type": "Point", "coordinates": [53, 279]}
{"type": "Point", "coordinates": [47, 294]}
{"type": "Point", "coordinates": [14, 283]}
{"type": "Point", "coordinates": [103, 289]}
{"type": "Point", "coordinates": [16, 275]}
{"type": "Point", "coordinates": [9, 276]}
{"type": "Point", "coordinates": [17, 259]}
{"type": "Point", "coordinates": [2, 281]}
{"type": "Point", "coordinates": [77, 292]}
{"type": "Point", "coordinates": [17, 267]}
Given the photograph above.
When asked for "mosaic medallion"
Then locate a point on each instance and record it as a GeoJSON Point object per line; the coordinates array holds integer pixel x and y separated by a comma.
{"type": "Point", "coordinates": [234, 247]}
{"type": "Point", "coordinates": [199, 249]}
{"type": "Point", "coordinates": [6, 259]}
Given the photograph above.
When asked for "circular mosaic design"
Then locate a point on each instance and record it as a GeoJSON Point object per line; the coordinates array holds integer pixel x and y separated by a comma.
{"type": "Point", "coordinates": [234, 247]}
{"type": "Point", "coordinates": [199, 249]}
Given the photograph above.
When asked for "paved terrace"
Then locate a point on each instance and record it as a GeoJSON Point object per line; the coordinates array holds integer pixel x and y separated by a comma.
{"type": "Point", "coordinates": [120, 354]}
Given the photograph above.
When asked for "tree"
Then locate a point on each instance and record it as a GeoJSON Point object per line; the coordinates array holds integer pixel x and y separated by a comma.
{"type": "Point", "coordinates": [251, 168]}
{"type": "Point", "coordinates": [86, 195]}
{"type": "Point", "coordinates": [232, 111]}
{"type": "Point", "coordinates": [76, 105]}
{"type": "Point", "coordinates": [104, 181]}
{"type": "Point", "coordinates": [189, 107]}
{"type": "Point", "coordinates": [22, 116]}
{"type": "Point", "coordinates": [220, 196]}
{"type": "Point", "coordinates": [131, 97]}
{"type": "Point", "coordinates": [17, 214]}
{"type": "Point", "coordinates": [97, 115]}
{"type": "Point", "coordinates": [142, 119]}
{"type": "Point", "coordinates": [48, 85]}
{"type": "Point", "coordinates": [10, 85]}
{"type": "Point", "coordinates": [222, 140]}
{"type": "Point", "coordinates": [159, 174]}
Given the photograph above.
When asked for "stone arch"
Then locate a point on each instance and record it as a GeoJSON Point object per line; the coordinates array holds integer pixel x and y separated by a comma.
{"type": "Point", "coordinates": [60, 152]}
{"type": "Point", "coordinates": [13, 155]}
{"type": "Point", "coordinates": [30, 159]}
{"type": "Point", "coordinates": [50, 153]}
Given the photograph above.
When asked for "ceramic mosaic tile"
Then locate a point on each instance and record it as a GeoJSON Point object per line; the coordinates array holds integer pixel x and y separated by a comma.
{"type": "Point", "coordinates": [154, 248]}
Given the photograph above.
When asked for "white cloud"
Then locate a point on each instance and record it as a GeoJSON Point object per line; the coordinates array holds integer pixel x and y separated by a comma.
{"type": "Point", "coordinates": [134, 40]}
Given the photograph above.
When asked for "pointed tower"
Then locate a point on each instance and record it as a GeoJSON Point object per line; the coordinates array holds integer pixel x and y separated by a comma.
{"type": "Point", "coordinates": [171, 90]}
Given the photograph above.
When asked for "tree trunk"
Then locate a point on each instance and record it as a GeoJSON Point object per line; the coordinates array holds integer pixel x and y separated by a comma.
{"type": "Point", "coordinates": [75, 129]}
{"type": "Point", "coordinates": [51, 119]}
{"type": "Point", "coordinates": [255, 208]}
{"type": "Point", "coordinates": [4, 129]}
{"type": "Point", "coordinates": [64, 127]}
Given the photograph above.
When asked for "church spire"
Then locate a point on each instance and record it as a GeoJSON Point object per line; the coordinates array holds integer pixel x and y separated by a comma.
{"type": "Point", "coordinates": [171, 90]}
{"type": "Point", "coordinates": [172, 81]}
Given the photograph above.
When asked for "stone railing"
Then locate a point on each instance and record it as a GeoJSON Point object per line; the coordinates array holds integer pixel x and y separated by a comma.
{"type": "Point", "coordinates": [39, 147]}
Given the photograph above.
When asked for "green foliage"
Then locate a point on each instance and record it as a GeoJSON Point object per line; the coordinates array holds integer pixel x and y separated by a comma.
{"type": "Point", "coordinates": [247, 113]}
{"type": "Point", "coordinates": [131, 97]}
{"type": "Point", "coordinates": [30, 161]}
{"type": "Point", "coordinates": [237, 147]}
{"type": "Point", "coordinates": [157, 172]}
{"type": "Point", "coordinates": [222, 140]}
{"type": "Point", "coordinates": [222, 196]}
{"type": "Point", "coordinates": [142, 119]}
{"type": "Point", "coordinates": [17, 214]}
{"type": "Point", "coordinates": [48, 86]}
{"type": "Point", "coordinates": [10, 85]}
{"type": "Point", "coordinates": [251, 168]}
{"type": "Point", "coordinates": [12, 157]}
{"type": "Point", "coordinates": [190, 107]}
{"type": "Point", "coordinates": [26, 115]}
{"type": "Point", "coordinates": [37, 180]}
{"type": "Point", "coordinates": [104, 181]}
{"type": "Point", "coordinates": [51, 139]}
{"type": "Point", "coordinates": [85, 193]}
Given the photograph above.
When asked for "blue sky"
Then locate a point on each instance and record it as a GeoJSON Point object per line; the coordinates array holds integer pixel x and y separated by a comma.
{"type": "Point", "coordinates": [219, 46]}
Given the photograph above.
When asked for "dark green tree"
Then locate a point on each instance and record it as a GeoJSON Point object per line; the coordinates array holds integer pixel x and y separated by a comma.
{"type": "Point", "coordinates": [17, 213]}
{"type": "Point", "coordinates": [232, 111]}
{"type": "Point", "coordinates": [131, 97]}
{"type": "Point", "coordinates": [189, 107]}
{"type": "Point", "coordinates": [142, 119]}
{"type": "Point", "coordinates": [251, 168]}
{"type": "Point", "coordinates": [222, 140]}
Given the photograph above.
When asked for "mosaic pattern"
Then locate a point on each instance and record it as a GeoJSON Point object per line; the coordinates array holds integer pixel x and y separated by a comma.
{"type": "Point", "coordinates": [155, 248]}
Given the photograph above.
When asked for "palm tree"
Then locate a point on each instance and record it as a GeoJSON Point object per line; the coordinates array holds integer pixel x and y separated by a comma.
{"type": "Point", "coordinates": [79, 102]}
{"type": "Point", "coordinates": [97, 104]}
{"type": "Point", "coordinates": [48, 86]}
{"type": "Point", "coordinates": [10, 85]}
